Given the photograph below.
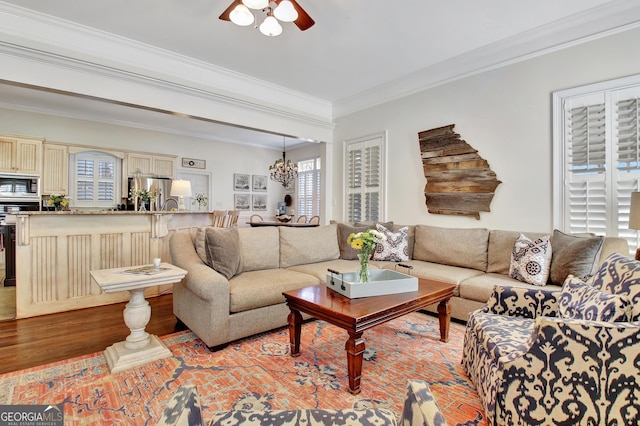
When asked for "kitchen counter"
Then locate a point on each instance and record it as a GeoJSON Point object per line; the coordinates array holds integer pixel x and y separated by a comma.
{"type": "Point", "coordinates": [55, 250]}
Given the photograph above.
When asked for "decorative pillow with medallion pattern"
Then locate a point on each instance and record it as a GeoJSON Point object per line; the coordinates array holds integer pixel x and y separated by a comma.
{"type": "Point", "coordinates": [395, 248]}
{"type": "Point", "coordinates": [531, 260]}
{"type": "Point", "coordinates": [580, 300]}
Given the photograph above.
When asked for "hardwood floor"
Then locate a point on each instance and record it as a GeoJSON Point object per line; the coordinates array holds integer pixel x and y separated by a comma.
{"type": "Point", "coordinates": [40, 340]}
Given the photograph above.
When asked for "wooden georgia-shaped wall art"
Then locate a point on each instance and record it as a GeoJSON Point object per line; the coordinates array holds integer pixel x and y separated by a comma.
{"type": "Point", "coordinates": [459, 181]}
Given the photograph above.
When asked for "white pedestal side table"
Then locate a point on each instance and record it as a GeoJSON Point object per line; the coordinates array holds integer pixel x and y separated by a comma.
{"type": "Point", "coordinates": [140, 347]}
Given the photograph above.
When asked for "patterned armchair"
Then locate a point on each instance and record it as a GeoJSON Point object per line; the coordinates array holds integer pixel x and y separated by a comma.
{"type": "Point", "coordinates": [560, 357]}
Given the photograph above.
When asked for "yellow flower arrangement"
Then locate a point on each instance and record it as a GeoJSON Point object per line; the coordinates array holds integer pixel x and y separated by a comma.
{"type": "Point", "coordinates": [365, 242]}
{"type": "Point", "coordinates": [58, 201]}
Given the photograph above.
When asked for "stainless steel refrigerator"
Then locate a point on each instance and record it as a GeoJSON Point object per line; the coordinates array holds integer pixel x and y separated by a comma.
{"type": "Point", "coordinates": [161, 187]}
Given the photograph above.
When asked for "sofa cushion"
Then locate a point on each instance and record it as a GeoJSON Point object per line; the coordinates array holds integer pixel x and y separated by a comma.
{"type": "Point", "coordinates": [256, 289]}
{"type": "Point", "coordinates": [260, 248]}
{"type": "Point", "coordinates": [531, 260]}
{"type": "Point", "coordinates": [620, 275]}
{"type": "Point", "coordinates": [319, 269]}
{"type": "Point", "coordinates": [500, 248]}
{"type": "Point", "coordinates": [411, 236]}
{"type": "Point", "coordinates": [573, 255]}
{"type": "Point", "coordinates": [480, 287]}
{"type": "Point", "coordinates": [579, 300]}
{"type": "Point", "coordinates": [452, 246]}
{"type": "Point", "coordinates": [223, 251]}
{"type": "Point", "coordinates": [395, 247]}
{"type": "Point", "coordinates": [299, 246]}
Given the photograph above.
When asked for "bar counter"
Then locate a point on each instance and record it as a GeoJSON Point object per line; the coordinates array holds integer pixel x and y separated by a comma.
{"type": "Point", "coordinates": [55, 250]}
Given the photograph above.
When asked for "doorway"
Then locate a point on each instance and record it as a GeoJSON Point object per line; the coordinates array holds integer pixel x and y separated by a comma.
{"type": "Point", "coordinates": [200, 184]}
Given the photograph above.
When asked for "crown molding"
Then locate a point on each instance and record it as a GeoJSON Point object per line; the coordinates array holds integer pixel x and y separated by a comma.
{"type": "Point", "coordinates": [98, 51]}
{"type": "Point", "coordinates": [617, 16]}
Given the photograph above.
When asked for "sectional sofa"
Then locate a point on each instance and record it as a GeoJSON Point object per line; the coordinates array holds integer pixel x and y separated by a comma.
{"type": "Point", "coordinates": [236, 276]}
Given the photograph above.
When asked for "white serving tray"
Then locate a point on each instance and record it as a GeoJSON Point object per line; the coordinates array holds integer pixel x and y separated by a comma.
{"type": "Point", "coordinates": [382, 281]}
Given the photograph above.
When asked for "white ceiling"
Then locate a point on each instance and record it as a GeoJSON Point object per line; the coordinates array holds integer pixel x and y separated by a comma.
{"type": "Point", "coordinates": [355, 47]}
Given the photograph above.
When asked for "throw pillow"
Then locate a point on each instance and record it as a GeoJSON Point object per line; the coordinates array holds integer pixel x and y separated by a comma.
{"type": "Point", "coordinates": [531, 260]}
{"type": "Point", "coordinates": [200, 243]}
{"type": "Point", "coordinates": [344, 230]}
{"type": "Point", "coordinates": [572, 255]}
{"type": "Point", "coordinates": [395, 248]}
{"type": "Point", "coordinates": [620, 275]}
{"type": "Point", "coordinates": [223, 251]}
{"type": "Point", "coordinates": [579, 300]}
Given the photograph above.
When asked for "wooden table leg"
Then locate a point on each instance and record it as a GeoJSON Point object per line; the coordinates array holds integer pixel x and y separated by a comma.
{"type": "Point", "coordinates": [355, 354]}
{"type": "Point", "coordinates": [444, 317]}
{"type": "Point", "coordinates": [295, 329]}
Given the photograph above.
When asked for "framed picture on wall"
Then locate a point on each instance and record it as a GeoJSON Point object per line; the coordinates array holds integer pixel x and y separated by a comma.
{"type": "Point", "coordinates": [241, 182]}
{"type": "Point", "coordinates": [259, 183]}
{"type": "Point", "coordinates": [259, 202]}
{"type": "Point", "coordinates": [241, 201]}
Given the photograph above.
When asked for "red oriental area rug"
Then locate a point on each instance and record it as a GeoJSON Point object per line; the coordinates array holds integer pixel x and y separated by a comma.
{"type": "Point", "coordinates": [259, 373]}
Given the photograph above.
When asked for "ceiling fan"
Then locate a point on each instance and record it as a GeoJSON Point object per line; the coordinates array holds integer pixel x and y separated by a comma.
{"type": "Point", "coordinates": [289, 11]}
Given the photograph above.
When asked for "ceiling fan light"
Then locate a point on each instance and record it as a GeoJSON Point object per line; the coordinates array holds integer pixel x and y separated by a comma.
{"type": "Point", "coordinates": [271, 27]}
{"type": "Point", "coordinates": [242, 16]}
{"type": "Point", "coordinates": [256, 4]}
{"type": "Point", "coordinates": [285, 11]}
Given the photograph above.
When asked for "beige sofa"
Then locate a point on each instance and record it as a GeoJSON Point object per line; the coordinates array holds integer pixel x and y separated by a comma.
{"type": "Point", "coordinates": [276, 259]}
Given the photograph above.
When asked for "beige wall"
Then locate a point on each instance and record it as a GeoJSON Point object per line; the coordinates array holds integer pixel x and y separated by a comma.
{"type": "Point", "coordinates": [505, 114]}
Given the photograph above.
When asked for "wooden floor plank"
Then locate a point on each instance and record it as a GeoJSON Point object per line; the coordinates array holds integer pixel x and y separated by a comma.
{"type": "Point", "coordinates": [30, 342]}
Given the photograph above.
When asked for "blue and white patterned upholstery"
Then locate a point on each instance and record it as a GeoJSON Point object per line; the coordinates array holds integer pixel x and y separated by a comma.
{"type": "Point", "coordinates": [530, 366]}
{"type": "Point", "coordinates": [420, 409]}
{"type": "Point", "coordinates": [580, 300]}
{"type": "Point", "coordinates": [620, 275]}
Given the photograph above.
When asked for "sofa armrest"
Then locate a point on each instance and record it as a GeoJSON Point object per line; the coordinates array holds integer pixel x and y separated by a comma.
{"type": "Point", "coordinates": [420, 407]}
{"type": "Point", "coordinates": [575, 372]}
{"type": "Point", "coordinates": [523, 302]}
{"type": "Point", "coordinates": [202, 280]}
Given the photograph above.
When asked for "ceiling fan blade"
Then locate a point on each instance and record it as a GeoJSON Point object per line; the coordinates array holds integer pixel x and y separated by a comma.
{"type": "Point", "coordinates": [226, 15]}
{"type": "Point", "coordinates": [304, 21]}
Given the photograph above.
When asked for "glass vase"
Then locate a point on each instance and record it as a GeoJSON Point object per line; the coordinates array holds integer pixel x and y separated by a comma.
{"type": "Point", "coordinates": [364, 274]}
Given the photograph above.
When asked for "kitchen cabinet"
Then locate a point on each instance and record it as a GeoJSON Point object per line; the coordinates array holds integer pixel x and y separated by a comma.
{"type": "Point", "coordinates": [55, 169]}
{"type": "Point", "coordinates": [20, 155]}
{"type": "Point", "coordinates": [148, 164]}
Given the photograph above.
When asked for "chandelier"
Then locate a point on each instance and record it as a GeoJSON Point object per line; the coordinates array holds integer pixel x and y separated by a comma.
{"type": "Point", "coordinates": [284, 11]}
{"type": "Point", "coordinates": [283, 170]}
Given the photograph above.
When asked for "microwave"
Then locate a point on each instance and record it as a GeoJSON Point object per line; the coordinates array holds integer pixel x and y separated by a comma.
{"type": "Point", "coordinates": [15, 187]}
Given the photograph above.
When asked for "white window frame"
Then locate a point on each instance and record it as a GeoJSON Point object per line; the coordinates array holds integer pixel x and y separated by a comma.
{"type": "Point", "coordinates": [96, 156]}
{"type": "Point", "coordinates": [616, 206]}
{"type": "Point", "coordinates": [378, 140]}
{"type": "Point", "coordinates": [315, 198]}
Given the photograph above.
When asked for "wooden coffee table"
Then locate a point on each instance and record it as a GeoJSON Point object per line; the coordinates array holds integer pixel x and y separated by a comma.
{"type": "Point", "coordinates": [357, 315]}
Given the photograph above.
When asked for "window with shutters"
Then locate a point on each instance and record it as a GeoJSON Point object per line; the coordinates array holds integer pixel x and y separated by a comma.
{"type": "Point", "coordinates": [309, 187]}
{"type": "Point", "coordinates": [95, 180]}
{"type": "Point", "coordinates": [597, 158]}
{"type": "Point", "coordinates": [364, 179]}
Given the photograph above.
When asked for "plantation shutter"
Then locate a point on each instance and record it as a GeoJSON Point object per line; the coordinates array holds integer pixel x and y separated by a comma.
{"type": "Point", "coordinates": [586, 176]}
{"type": "Point", "coordinates": [601, 161]}
{"type": "Point", "coordinates": [309, 187]}
{"type": "Point", "coordinates": [364, 179]}
{"type": "Point", "coordinates": [95, 180]}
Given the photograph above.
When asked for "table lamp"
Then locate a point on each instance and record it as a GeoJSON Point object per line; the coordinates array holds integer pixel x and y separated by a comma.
{"type": "Point", "coordinates": [634, 216]}
{"type": "Point", "coordinates": [181, 189]}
